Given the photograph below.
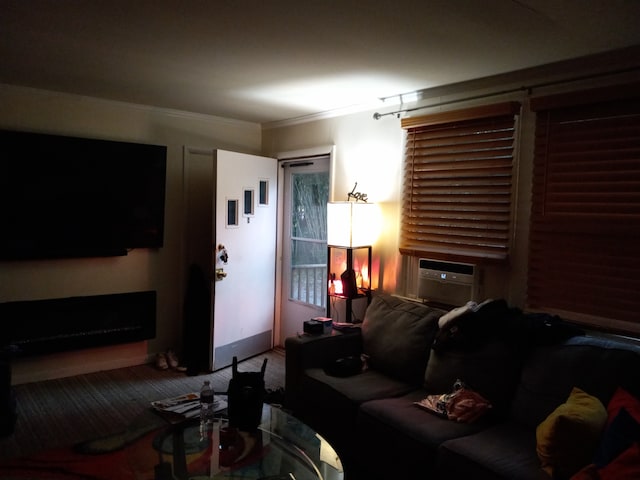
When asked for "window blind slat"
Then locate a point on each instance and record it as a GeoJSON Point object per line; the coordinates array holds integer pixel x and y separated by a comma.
{"type": "Point", "coordinates": [484, 111]}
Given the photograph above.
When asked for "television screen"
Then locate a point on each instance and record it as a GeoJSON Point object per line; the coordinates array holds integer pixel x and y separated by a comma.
{"type": "Point", "coordinates": [77, 197]}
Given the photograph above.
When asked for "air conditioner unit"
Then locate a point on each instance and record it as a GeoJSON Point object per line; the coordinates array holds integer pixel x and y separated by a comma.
{"type": "Point", "coordinates": [447, 282]}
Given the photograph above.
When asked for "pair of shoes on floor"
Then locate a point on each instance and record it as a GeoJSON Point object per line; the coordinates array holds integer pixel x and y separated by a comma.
{"type": "Point", "coordinates": [161, 361]}
{"type": "Point", "coordinates": [167, 360]}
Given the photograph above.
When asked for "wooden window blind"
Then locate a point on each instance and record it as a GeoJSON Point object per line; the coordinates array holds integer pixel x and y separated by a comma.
{"type": "Point", "coordinates": [584, 261]}
{"type": "Point", "coordinates": [457, 191]}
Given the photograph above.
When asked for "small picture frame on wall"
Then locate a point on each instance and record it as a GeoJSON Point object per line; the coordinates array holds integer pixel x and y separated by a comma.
{"type": "Point", "coordinates": [263, 193]}
{"type": "Point", "coordinates": [232, 213]}
{"type": "Point", "coordinates": [248, 209]}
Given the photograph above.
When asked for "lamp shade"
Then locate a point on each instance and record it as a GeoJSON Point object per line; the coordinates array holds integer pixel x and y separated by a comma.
{"type": "Point", "coordinates": [351, 224]}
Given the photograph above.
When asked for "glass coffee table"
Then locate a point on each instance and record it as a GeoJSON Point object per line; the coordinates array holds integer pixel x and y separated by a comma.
{"type": "Point", "coordinates": [282, 448]}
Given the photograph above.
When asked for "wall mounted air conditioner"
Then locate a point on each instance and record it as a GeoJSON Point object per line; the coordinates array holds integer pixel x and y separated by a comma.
{"type": "Point", "coordinates": [449, 283]}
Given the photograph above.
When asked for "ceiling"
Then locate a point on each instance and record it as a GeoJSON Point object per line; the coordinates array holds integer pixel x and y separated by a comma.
{"type": "Point", "coordinates": [268, 61]}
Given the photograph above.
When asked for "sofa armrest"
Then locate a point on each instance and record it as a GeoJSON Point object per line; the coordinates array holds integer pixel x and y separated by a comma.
{"type": "Point", "coordinates": [308, 351]}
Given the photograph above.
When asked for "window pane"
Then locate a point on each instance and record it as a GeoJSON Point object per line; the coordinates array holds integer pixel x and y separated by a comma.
{"type": "Point", "coordinates": [309, 272]}
{"type": "Point", "coordinates": [308, 253]}
{"type": "Point", "coordinates": [310, 193]}
{"type": "Point", "coordinates": [309, 205]}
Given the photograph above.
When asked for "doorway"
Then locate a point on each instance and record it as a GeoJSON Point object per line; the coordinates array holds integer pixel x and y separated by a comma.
{"type": "Point", "coordinates": [303, 286]}
{"type": "Point", "coordinates": [230, 239]}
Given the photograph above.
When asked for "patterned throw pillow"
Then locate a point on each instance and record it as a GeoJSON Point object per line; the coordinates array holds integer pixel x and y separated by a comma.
{"type": "Point", "coordinates": [623, 399]}
{"type": "Point", "coordinates": [618, 455]}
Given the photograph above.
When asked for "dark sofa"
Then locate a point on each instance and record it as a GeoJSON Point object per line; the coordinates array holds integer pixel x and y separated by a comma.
{"type": "Point", "coordinates": [525, 365]}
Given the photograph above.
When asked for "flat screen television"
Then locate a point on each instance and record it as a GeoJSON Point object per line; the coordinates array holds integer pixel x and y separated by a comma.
{"type": "Point", "coordinates": [64, 197]}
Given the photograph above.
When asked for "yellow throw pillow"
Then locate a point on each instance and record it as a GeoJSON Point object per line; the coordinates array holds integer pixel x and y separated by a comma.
{"type": "Point", "coordinates": [568, 437]}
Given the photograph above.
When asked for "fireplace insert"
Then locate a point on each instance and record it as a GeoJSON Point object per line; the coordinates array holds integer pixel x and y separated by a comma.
{"type": "Point", "coordinates": [62, 324]}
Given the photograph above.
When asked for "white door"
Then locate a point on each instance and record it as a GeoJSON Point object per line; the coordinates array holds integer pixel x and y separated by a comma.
{"type": "Point", "coordinates": [304, 243]}
{"type": "Point", "coordinates": [230, 230]}
{"type": "Point", "coordinates": [244, 293]}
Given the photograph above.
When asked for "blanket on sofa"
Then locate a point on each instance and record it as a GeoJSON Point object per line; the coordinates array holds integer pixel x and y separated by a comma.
{"type": "Point", "coordinates": [473, 325]}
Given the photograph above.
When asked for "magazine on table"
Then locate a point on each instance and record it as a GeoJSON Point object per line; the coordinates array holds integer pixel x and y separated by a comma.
{"type": "Point", "coordinates": [188, 404]}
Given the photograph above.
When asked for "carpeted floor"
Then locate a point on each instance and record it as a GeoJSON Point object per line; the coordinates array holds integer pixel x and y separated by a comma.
{"type": "Point", "coordinates": [149, 449]}
{"type": "Point", "coordinates": [58, 413]}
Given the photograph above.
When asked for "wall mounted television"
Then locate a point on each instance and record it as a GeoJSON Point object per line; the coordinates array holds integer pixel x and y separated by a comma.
{"type": "Point", "coordinates": [63, 197]}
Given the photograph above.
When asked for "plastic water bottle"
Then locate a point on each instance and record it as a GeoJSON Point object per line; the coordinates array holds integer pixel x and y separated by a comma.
{"type": "Point", "coordinates": [206, 402]}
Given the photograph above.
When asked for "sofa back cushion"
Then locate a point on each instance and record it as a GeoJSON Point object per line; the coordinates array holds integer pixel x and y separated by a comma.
{"type": "Point", "coordinates": [397, 335]}
{"type": "Point", "coordinates": [492, 370]}
{"type": "Point", "coordinates": [596, 366]}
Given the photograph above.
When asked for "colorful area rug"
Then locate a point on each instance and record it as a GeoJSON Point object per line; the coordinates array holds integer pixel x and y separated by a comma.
{"type": "Point", "coordinates": [127, 456]}
{"type": "Point", "coordinates": [147, 453]}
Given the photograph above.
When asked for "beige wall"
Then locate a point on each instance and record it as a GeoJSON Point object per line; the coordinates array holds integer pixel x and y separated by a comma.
{"type": "Point", "coordinates": [161, 270]}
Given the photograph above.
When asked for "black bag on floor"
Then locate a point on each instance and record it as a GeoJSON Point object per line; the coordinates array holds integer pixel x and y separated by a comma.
{"type": "Point", "coordinates": [246, 396]}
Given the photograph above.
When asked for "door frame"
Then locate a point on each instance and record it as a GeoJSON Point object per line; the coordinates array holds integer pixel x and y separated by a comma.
{"type": "Point", "coordinates": [283, 157]}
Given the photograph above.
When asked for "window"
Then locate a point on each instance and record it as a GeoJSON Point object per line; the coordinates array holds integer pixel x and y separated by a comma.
{"type": "Point", "coordinates": [584, 261]}
{"type": "Point", "coordinates": [457, 191]}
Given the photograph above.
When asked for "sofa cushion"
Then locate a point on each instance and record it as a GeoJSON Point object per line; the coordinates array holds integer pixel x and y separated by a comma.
{"type": "Point", "coordinates": [492, 370]}
{"type": "Point", "coordinates": [404, 436]}
{"type": "Point", "coordinates": [355, 389]}
{"type": "Point", "coordinates": [594, 365]}
{"type": "Point", "coordinates": [504, 451]}
{"type": "Point", "coordinates": [331, 403]}
{"type": "Point", "coordinates": [567, 439]}
{"type": "Point", "coordinates": [397, 335]}
{"type": "Point", "coordinates": [402, 414]}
